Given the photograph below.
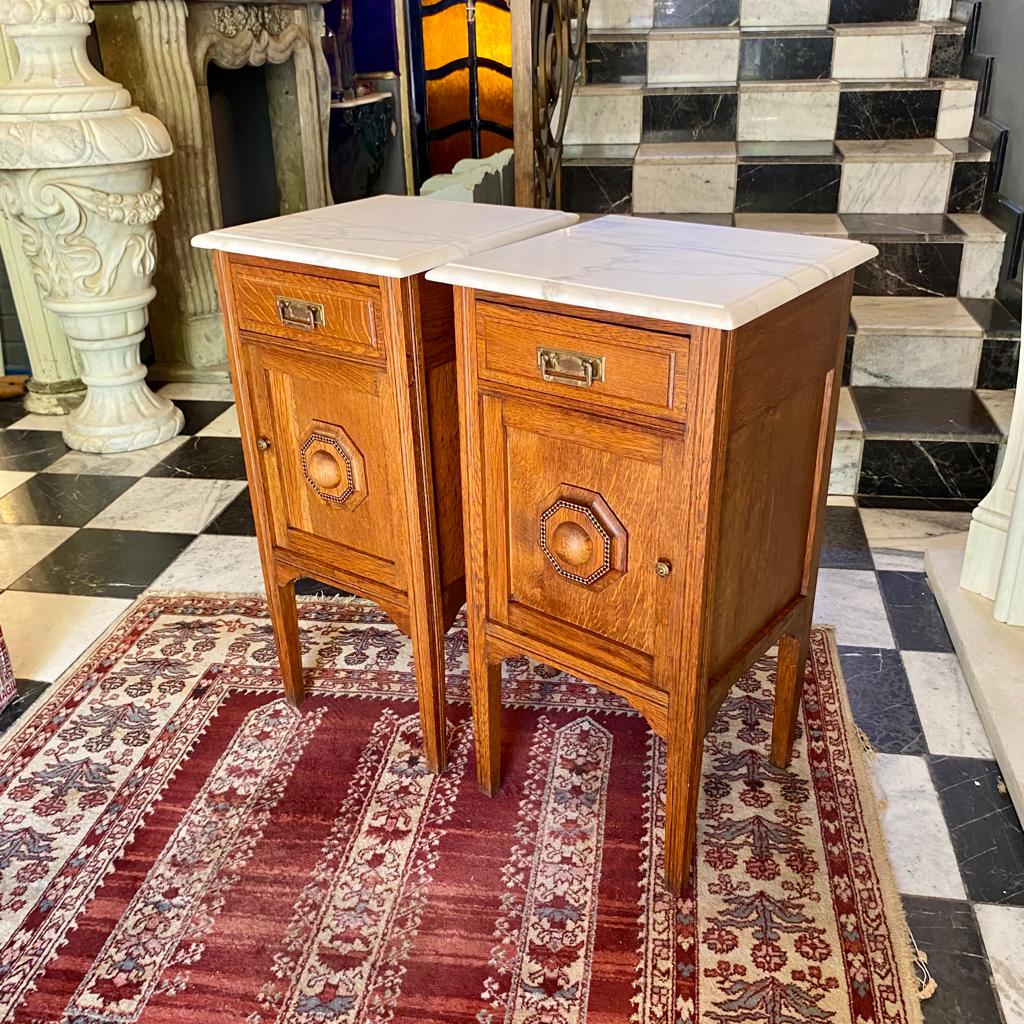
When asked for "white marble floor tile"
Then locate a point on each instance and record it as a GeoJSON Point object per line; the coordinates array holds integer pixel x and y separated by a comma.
{"type": "Point", "coordinates": [693, 57]}
{"type": "Point", "coordinates": [120, 464]}
{"type": "Point", "coordinates": [10, 478]}
{"type": "Point", "coordinates": [660, 186]}
{"type": "Point", "coordinates": [47, 633]}
{"type": "Point", "coordinates": [979, 269]}
{"type": "Point", "coordinates": [1000, 407]}
{"type": "Point", "coordinates": [898, 538]}
{"type": "Point", "coordinates": [956, 108]}
{"type": "Point", "coordinates": [935, 10]}
{"type": "Point", "coordinates": [1002, 929]}
{"type": "Point", "coordinates": [881, 51]}
{"type": "Point", "coordinates": [214, 564]}
{"type": "Point", "coordinates": [199, 391]}
{"type": "Point", "coordinates": [826, 225]}
{"type": "Point", "coordinates": [605, 115]}
{"type": "Point", "coordinates": [23, 545]}
{"type": "Point", "coordinates": [168, 505]}
{"type": "Point", "coordinates": [224, 425]}
{"type": "Point", "coordinates": [769, 112]}
{"type": "Point", "coordinates": [608, 14]}
{"type": "Point", "coordinates": [945, 705]}
{"type": "Point", "coordinates": [900, 315]}
{"type": "Point", "coordinates": [920, 849]}
{"type": "Point", "coordinates": [899, 186]}
{"type": "Point", "coordinates": [850, 600]}
{"type": "Point", "coordinates": [783, 12]}
{"type": "Point", "coordinates": [845, 471]}
{"type": "Point", "coordinates": [915, 361]}
{"type": "Point", "coordinates": [978, 227]}
{"type": "Point", "coordinates": [36, 421]}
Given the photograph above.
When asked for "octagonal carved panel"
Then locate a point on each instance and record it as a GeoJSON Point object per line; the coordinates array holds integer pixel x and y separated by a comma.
{"type": "Point", "coordinates": [582, 537]}
{"type": "Point", "coordinates": [333, 466]}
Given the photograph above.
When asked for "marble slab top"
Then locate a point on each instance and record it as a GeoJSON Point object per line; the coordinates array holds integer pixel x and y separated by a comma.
{"type": "Point", "coordinates": [393, 236]}
{"type": "Point", "coordinates": [698, 274]}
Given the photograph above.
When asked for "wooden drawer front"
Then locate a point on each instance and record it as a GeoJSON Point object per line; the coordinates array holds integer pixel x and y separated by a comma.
{"type": "Point", "coordinates": [643, 371]}
{"type": "Point", "coordinates": [331, 472]}
{"type": "Point", "coordinates": [346, 317]}
{"type": "Point", "coordinates": [574, 520]}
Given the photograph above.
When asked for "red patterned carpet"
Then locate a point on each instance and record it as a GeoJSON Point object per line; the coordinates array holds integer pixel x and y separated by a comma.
{"type": "Point", "coordinates": [177, 844]}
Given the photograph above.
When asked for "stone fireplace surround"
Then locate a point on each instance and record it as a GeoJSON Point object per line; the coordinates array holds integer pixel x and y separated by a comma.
{"type": "Point", "coordinates": [160, 51]}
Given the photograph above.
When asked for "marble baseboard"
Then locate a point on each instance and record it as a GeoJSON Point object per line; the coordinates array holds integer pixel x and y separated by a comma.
{"type": "Point", "coordinates": [785, 57]}
{"type": "Point", "coordinates": [880, 52]}
{"type": "Point", "coordinates": [997, 369]}
{"type": "Point", "coordinates": [704, 116]}
{"type": "Point", "coordinates": [914, 362]}
{"type": "Point", "coordinates": [597, 188]}
{"type": "Point", "coordinates": [895, 186]}
{"type": "Point", "coordinates": [604, 116]}
{"type": "Point", "coordinates": [927, 469]}
{"type": "Point", "coordinates": [694, 13]}
{"type": "Point", "coordinates": [888, 113]}
{"type": "Point", "coordinates": [787, 188]}
{"type": "Point", "coordinates": [689, 186]}
{"type": "Point", "coordinates": [911, 268]}
{"type": "Point", "coordinates": [774, 113]}
{"type": "Point", "coordinates": [677, 59]}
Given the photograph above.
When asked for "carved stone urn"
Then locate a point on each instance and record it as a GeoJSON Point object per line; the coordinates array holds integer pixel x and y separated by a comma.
{"type": "Point", "coordinates": [77, 181]}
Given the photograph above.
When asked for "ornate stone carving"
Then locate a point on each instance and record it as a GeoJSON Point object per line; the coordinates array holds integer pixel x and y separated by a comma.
{"type": "Point", "coordinates": [77, 183]}
{"type": "Point", "coordinates": [582, 537]}
{"type": "Point", "coordinates": [263, 20]}
{"type": "Point", "coordinates": [333, 466]}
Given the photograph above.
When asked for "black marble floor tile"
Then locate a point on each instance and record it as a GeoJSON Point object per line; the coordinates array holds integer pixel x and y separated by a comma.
{"type": "Point", "coordinates": [236, 519]}
{"type": "Point", "coordinates": [689, 117]}
{"type": "Point", "coordinates": [597, 188]}
{"type": "Point", "coordinates": [617, 61]}
{"type": "Point", "coordinates": [888, 113]}
{"type": "Point", "coordinates": [11, 410]}
{"type": "Point", "coordinates": [994, 318]}
{"type": "Point", "coordinates": [206, 458]}
{"type": "Point", "coordinates": [923, 412]}
{"type": "Point", "coordinates": [901, 227]}
{"type": "Point", "coordinates": [785, 57]}
{"type": "Point", "coordinates": [911, 268]}
{"type": "Point", "coordinates": [200, 414]}
{"type": "Point", "coordinates": [914, 615]}
{"type": "Point", "coordinates": [947, 932]}
{"type": "Point", "coordinates": [848, 360]}
{"type": "Point", "coordinates": [844, 544]}
{"type": "Point", "coordinates": [29, 690]}
{"type": "Point", "coordinates": [61, 499]}
{"type": "Point", "coordinates": [967, 191]}
{"type": "Point", "coordinates": [881, 699]}
{"type": "Point", "coordinates": [683, 13]}
{"type": "Point", "coordinates": [721, 220]}
{"type": "Point", "coordinates": [947, 55]}
{"type": "Point", "coordinates": [956, 475]}
{"type": "Point", "coordinates": [787, 188]}
{"type": "Point", "coordinates": [314, 588]}
{"type": "Point", "coordinates": [845, 12]}
{"type": "Point", "coordinates": [30, 450]}
{"type": "Point", "coordinates": [915, 502]}
{"type": "Point", "coordinates": [104, 563]}
{"type": "Point", "coordinates": [998, 366]}
{"type": "Point", "coordinates": [986, 833]}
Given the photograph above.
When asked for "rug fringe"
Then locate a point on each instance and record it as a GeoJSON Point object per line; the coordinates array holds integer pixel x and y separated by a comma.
{"type": "Point", "coordinates": [928, 983]}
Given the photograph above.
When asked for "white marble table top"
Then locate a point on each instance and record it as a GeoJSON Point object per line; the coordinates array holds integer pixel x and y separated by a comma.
{"type": "Point", "coordinates": [686, 273]}
{"type": "Point", "coordinates": [393, 236]}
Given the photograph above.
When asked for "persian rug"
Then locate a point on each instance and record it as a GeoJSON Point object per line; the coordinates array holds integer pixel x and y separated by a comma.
{"type": "Point", "coordinates": [177, 844]}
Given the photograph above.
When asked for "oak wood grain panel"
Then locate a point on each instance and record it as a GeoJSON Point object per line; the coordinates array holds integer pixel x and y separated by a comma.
{"type": "Point", "coordinates": [352, 312]}
{"type": "Point", "coordinates": [643, 371]}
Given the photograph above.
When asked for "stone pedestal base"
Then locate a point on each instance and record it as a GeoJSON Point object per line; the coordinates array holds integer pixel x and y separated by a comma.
{"type": "Point", "coordinates": [992, 657]}
{"type": "Point", "coordinates": [172, 373]}
{"type": "Point", "coordinates": [55, 398]}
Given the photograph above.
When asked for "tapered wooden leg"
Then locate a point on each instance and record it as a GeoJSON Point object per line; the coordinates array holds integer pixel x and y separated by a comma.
{"type": "Point", "coordinates": [285, 621]}
{"type": "Point", "coordinates": [682, 794]}
{"type": "Point", "coordinates": [789, 686]}
{"type": "Point", "coordinates": [428, 658]}
{"type": "Point", "coordinates": [485, 691]}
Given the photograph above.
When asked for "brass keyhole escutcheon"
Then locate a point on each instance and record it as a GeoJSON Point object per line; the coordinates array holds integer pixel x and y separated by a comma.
{"type": "Point", "coordinates": [572, 544]}
{"type": "Point", "coordinates": [663, 569]}
{"type": "Point", "coordinates": [325, 469]}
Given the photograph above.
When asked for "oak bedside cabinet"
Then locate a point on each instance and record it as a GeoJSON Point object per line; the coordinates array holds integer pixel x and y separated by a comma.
{"type": "Point", "coordinates": [647, 414]}
{"type": "Point", "coordinates": [343, 362]}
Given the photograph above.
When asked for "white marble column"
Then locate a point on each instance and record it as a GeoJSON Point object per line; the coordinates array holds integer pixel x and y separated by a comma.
{"type": "Point", "coordinates": [994, 559]}
{"type": "Point", "coordinates": [77, 185]}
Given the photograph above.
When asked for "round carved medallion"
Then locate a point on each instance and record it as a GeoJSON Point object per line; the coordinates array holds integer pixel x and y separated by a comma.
{"type": "Point", "coordinates": [571, 543]}
{"type": "Point", "coordinates": [581, 537]}
{"type": "Point", "coordinates": [333, 465]}
{"type": "Point", "coordinates": [324, 469]}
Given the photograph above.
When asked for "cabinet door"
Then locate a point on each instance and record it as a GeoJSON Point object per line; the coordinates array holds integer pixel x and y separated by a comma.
{"type": "Point", "coordinates": [577, 523]}
{"type": "Point", "coordinates": [332, 472]}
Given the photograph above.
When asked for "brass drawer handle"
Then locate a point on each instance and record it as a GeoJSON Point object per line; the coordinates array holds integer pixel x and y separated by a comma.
{"type": "Point", "coordinates": [574, 369]}
{"type": "Point", "coordinates": [307, 316]}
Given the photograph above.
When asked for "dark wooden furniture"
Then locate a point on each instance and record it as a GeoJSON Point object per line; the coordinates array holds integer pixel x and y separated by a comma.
{"type": "Point", "coordinates": [643, 505]}
{"type": "Point", "coordinates": [346, 390]}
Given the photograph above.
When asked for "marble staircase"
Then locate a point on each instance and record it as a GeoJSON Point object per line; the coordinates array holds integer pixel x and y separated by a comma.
{"type": "Point", "coordinates": [848, 118]}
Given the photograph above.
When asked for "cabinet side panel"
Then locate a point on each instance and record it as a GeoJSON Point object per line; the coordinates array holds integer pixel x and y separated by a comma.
{"type": "Point", "coordinates": [444, 438]}
{"type": "Point", "coordinates": [782, 417]}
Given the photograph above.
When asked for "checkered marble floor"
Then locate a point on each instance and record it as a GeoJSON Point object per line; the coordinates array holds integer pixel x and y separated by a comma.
{"type": "Point", "coordinates": [82, 535]}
